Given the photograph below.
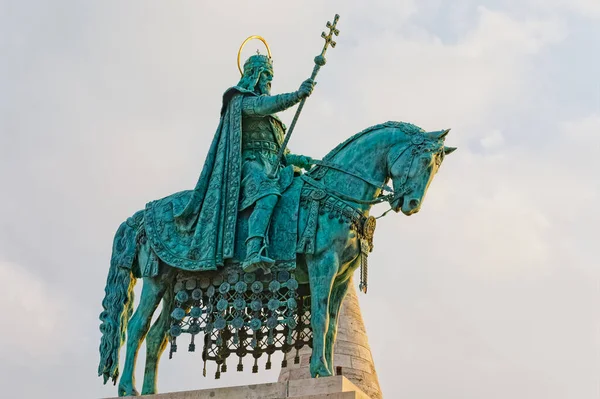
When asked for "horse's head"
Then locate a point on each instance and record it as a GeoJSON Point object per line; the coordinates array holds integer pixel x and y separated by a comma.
{"type": "Point", "coordinates": [412, 167]}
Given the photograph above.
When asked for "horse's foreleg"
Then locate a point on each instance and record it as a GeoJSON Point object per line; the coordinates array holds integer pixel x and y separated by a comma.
{"type": "Point", "coordinates": [338, 292]}
{"type": "Point", "coordinates": [322, 271]}
{"type": "Point", "coordinates": [156, 343]}
{"type": "Point", "coordinates": [139, 324]}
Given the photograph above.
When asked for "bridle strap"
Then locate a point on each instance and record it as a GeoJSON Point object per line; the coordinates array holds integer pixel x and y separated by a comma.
{"type": "Point", "coordinates": [321, 186]}
{"type": "Point", "coordinates": [329, 165]}
{"type": "Point", "coordinates": [392, 195]}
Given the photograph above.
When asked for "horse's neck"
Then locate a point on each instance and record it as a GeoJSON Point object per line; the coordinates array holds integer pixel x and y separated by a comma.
{"type": "Point", "coordinates": [367, 155]}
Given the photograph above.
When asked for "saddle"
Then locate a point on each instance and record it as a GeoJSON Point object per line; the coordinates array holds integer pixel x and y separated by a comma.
{"type": "Point", "coordinates": [282, 234]}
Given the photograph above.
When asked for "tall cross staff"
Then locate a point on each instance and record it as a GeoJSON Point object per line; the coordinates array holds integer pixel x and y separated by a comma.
{"type": "Point", "coordinates": [319, 62]}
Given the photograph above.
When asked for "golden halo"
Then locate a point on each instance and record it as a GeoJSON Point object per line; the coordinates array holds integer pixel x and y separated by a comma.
{"type": "Point", "coordinates": [262, 39]}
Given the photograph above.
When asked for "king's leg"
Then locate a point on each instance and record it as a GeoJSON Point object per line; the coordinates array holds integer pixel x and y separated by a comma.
{"type": "Point", "coordinates": [257, 229]}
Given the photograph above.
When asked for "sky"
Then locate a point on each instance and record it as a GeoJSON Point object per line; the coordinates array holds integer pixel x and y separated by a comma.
{"type": "Point", "coordinates": [491, 291]}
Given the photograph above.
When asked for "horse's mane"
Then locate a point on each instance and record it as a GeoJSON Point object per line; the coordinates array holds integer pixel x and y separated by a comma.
{"type": "Point", "coordinates": [408, 128]}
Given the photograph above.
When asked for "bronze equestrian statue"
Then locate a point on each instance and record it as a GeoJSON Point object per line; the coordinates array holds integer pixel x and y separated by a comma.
{"type": "Point", "coordinates": [258, 245]}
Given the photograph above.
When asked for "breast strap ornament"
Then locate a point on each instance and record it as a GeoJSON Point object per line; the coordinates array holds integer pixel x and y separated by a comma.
{"type": "Point", "coordinates": [366, 246]}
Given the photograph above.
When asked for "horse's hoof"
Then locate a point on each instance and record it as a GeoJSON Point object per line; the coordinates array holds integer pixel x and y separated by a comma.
{"type": "Point", "coordinates": [128, 391]}
{"type": "Point", "coordinates": [320, 371]}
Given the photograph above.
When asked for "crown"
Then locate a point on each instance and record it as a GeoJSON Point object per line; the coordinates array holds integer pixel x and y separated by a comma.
{"type": "Point", "coordinates": [258, 61]}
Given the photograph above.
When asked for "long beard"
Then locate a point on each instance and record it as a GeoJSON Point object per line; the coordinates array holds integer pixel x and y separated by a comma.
{"type": "Point", "coordinates": [263, 89]}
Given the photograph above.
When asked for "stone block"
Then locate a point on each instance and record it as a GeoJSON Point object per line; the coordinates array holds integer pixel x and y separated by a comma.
{"type": "Point", "coordinates": [339, 395]}
{"type": "Point", "coordinates": [299, 373]}
{"type": "Point", "coordinates": [342, 360]}
{"type": "Point", "coordinates": [284, 376]}
{"type": "Point", "coordinates": [347, 348]}
{"type": "Point", "coordinates": [305, 360]}
{"type": "Point", "coordinates": [365, 353]}
{"type": "Point", "coordinates": [363, 365]}
{"type": "Point", "coordinates": [277, 390]}
{"type": "Point", "coordinates": [337, 387]}
{"type": "Point", "coordinates": [320, 386]}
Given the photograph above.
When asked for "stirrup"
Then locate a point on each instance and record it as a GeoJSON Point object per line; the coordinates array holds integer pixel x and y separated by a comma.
{"type": "Point", "coordinates": [257, 261]}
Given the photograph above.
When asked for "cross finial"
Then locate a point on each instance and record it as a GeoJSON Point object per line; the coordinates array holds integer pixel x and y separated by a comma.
{"type": "Point", "coordinates": [332, 31]}
{"type": "Point", "coordinates": [320, 59]}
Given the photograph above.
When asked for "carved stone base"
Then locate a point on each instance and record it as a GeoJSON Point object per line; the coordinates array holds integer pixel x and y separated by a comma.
{"type": "Point", "coordinates": [337, 387]}
{"type": "Point", "coordinates": [352, 354]}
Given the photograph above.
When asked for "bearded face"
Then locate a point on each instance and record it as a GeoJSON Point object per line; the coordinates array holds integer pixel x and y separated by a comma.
{"type": "Point", "coordinates": [264, 83]}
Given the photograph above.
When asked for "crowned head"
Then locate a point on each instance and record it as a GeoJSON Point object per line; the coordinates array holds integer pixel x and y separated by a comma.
{"type": "Point", "coordinates": [258, 70]}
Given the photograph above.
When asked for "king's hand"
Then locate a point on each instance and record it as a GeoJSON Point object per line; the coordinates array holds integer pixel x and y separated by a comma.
{"type": "Point", "coordinates": [306, 88]}
{"type": "Point", "coordinates": [301, 161]}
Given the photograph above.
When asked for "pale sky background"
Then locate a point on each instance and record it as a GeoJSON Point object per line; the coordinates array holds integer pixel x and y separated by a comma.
{"type": "Point", "coordinates": [491, 291]}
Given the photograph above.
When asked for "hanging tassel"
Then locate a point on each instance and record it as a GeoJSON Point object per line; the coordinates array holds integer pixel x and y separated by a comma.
{"type": "Point", "coordinates": [284, 362]}
{"type": "Point", "coordinates": [240, 366]}
{"type": "Point", "coordinates": [268, 365]}
{"type": "Point", "coordinates": [364, 265]}
{"type": "Point", "coordinates": [173, 347]}
{"type": "Point", "coordinates": [255, 367]}
{"type": "Point", "coordinates": [224, 366]}
{"type": "Point", "coordinates": [192, 347]}
{"type": "Point", "coordinates": [218, 373]}
{"type": "Point", "coordinates": [297, 357]}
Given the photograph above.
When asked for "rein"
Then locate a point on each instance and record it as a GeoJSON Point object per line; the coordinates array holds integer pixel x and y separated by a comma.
{"type": "Point", "coordinates": [329, 165]}
{"type": "Point", "coordinates": [390, 197]}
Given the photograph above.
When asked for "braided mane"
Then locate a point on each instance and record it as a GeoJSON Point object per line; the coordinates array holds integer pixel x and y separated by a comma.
{"type": "Point", "coordinates": [408, 128]}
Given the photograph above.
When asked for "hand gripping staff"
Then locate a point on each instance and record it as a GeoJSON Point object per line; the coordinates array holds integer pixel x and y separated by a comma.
{"type": "Point", "coordinates": [319, 62]}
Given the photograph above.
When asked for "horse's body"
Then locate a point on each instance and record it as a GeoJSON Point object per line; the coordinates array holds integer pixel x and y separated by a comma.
{"type": "Point", "coordinates": [356, 171]}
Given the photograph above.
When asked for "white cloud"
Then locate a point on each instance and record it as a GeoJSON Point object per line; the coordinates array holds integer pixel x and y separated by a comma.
{"type": "Point", "coordinates": [582, 8]}
{"type": "Point", "coordinates": [458, 85]}
{"type": "Point", "coordinates": [493, 140]}
{"type": "Point", "coordinates": [584, 131]}
{"type": "Point", "coordinates": [36, 319]}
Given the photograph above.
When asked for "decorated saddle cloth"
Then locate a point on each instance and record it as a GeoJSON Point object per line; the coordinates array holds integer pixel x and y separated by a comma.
{"type": "Point", "coordinates": [161, 230]}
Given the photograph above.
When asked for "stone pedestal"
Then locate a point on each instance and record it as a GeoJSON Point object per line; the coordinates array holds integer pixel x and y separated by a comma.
{"type": "Point", "coordinates": [352, 354]}
{"type": "Point", "coordinates": [337, 387]}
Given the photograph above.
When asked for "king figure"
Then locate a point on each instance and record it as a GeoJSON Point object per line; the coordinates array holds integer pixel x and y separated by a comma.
{"type": "Point", "coordinates": [242, 169]}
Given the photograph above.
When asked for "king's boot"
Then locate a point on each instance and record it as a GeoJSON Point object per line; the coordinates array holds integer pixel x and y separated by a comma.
{"type": "Point", "coordinates": [255, 258]}
{"type": "Point", "coordinates": [255, 244]}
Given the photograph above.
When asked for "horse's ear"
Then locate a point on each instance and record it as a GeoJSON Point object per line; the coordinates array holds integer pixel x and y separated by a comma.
{"type": "Point", "coordinates": [438, 135]}
{"type": "Point", "coordinates": [449, 150]}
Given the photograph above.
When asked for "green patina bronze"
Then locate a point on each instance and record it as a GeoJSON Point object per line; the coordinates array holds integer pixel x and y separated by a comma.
{"type": "Point", "coordinates": [258, 256]}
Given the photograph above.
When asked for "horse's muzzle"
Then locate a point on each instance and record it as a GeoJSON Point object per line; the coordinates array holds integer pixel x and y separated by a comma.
{"type": "Point", "coordinates": [397, 204]}
{"type": "Point", "coordinates": [410, 206]}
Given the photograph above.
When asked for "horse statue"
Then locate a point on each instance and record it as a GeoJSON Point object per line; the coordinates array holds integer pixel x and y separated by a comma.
{"type": "Point", "coordinates": [332, 235]}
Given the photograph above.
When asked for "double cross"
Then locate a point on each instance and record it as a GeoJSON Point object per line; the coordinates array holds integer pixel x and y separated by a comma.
{"type": "Point", "coordinates": [320, 59]}
{"type": "Point", "coordinates": [319, 62]}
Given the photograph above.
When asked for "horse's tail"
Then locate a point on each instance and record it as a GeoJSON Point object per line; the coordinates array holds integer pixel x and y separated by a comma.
{"type": "Point", "coordinates": [118, 299]}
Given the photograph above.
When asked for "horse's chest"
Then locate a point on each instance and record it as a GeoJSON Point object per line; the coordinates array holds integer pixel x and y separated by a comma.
{"type": "Point", "coordinates": [330, 224]}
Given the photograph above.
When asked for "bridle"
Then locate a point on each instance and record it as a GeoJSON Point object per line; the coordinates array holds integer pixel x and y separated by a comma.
{"type": "Point", "coordinates": [417, 147]}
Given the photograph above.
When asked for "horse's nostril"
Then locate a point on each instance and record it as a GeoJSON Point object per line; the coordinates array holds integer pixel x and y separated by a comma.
{"type": "Point", "coordinates": [413, 203]}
